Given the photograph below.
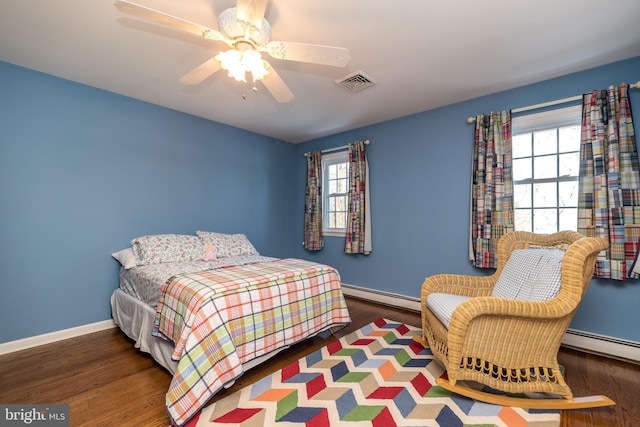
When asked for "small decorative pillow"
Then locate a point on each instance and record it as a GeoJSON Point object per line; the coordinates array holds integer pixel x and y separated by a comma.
{"type": "Point", "coordinates": [126, 257]}
{"type": "Point", "coordinates": [209, 255]}
{"type": "Point", "coordinates": [163, 248]}
{"type": "Point", "coordinates": [227, 245]}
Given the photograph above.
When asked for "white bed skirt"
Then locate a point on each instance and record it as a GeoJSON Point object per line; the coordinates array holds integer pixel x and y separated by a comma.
{"type": "Point", "coordinates": [136, 318]}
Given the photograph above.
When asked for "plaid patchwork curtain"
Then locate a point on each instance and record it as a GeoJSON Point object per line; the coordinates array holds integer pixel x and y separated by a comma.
{"type": "Point", "coordinates": [609, 194]}
{"type": "Point", "coordinates": [492, 187]}
{"type": "Point", "coordinates": [358, 237]}
{"type": "Point", "coordinates": [313, 239]}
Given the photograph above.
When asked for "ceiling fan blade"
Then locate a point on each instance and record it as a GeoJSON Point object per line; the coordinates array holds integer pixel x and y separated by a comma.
{"type": "Point", "coordinates": [276, 85]}
{"type": "Point", "coordinates": [313, 53]}
{"type": "Point", "coordinates": [169, 20]}
{"type": "Point", "coordinates": [251, 11]}
{"type": "Point", "coordinates": [201, 72]}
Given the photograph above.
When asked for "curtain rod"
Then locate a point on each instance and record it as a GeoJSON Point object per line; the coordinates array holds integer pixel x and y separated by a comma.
{"type": "Point", "coordinates": [556, 102]}
{"type": "Point", "coordinates": [328, 150]}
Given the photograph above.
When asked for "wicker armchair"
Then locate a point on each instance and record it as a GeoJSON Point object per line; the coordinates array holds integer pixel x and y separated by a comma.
{"type": "Point", "coordinates": [510, 344]}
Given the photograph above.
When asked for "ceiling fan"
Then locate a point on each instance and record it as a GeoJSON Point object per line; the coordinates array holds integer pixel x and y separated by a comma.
{"type": "Point", "coordinates": [245, 30]}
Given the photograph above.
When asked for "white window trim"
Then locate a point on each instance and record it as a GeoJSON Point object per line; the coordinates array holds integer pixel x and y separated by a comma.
{"type": "Point", "coordinates": [332, 158]}
{"type": "Point", "coordinates": [553, 118]}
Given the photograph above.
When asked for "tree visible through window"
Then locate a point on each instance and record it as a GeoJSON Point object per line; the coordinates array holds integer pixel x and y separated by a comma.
{"type": "Point", "coordinates": [546, 160]}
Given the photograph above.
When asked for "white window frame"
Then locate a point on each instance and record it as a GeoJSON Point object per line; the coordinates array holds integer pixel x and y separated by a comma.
{"type": "Point", "coordinates": [328, 160]}
{"type": "Point", "coordinates": [547, 120]}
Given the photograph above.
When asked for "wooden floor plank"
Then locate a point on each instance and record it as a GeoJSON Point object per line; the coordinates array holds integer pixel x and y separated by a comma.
{"type": "Point", "coordinates": [107, 382]}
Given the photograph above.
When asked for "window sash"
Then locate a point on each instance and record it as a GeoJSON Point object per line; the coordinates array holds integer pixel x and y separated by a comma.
{"type": "Point", "coordinates": [535, 210]}
{"type": "Point", "coordinates": [335, 194]}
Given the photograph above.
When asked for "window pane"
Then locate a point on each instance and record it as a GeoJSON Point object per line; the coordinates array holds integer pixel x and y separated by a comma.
{"type": "Point", "coordinates": [333, 171]}
{"type": "Point", "coordinates": [568, 194]}
{"type": "Point", "coordinates": [521, 145]}
{"type": "Point", "coordinates": [569, 164]}
{"type": "Point", "coordinates": [521, 169]}
{"type": "Point", "coordinates": [332, 187]}
{"type": "Point", "coordinates": [341, 220]}
{"type": "Point", "coordinates": [544, 195]}
{"type": "Point", "coordinates": [332, 203]}
{"type": "Point", "coordinates": [332, 220]}
{"type": "Point", "coordinates": [341, 203]}
{"type": "Point", "coordinates": [342, 170]}
{"type": "Point", "coordinates": [568, 219]}
{"type": "Point", "coordinates": [522, 196]}
{"type": "Point", "coordinates": [522, 218]}
{"type": "Point", "coordinates": [569, 138]}
{"type": "Point", "coordinates": [545, 167]}
{"type": "Point", "coordinates": [545, 221]}
{"type": "Point", "coordinates": [544, 142]}
{"type": "Point", "coordinates": [342, 186]}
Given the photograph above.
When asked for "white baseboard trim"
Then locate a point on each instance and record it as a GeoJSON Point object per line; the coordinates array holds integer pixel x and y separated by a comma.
{"type": "Point", "coordinates": [573, 338]}
{"type": "Point", "coordinates": [381, 297]}
{"type": "Point", "coordinates": [25, 343]}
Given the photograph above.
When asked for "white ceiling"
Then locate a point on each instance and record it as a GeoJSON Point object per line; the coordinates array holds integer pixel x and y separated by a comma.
{"type": "Point", "coordinates": [422, 54]}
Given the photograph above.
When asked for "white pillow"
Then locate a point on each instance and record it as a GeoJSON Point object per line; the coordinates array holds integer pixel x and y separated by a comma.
{"type": "Point", "coordinates": [126, 257]}
{"type": "Point", "coordinates": [530, 274]}
{"type": "Point", "coordinates": [546, 283]}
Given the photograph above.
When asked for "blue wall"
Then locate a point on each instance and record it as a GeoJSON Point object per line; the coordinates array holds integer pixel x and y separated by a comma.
{"type": "Point", "coordinates": [83, 171]}
{"type": "Point", "coordinates": [420, 183]}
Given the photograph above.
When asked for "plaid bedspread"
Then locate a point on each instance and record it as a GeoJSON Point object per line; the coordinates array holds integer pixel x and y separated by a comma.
{"type": "Point", "coordinates": [219, 319]}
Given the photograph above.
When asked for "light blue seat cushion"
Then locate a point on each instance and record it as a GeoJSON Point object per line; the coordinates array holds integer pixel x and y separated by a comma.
{"type": "Point", "coordinates": [442, 305]}
{"type": "Point", "coordinates": [529, 274]}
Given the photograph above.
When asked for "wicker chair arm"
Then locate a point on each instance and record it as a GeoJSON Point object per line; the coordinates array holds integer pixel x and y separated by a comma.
{"type": "Point", "coordinates": [471, 286]}
{"type": "Point", "coordinates": [467, 311]}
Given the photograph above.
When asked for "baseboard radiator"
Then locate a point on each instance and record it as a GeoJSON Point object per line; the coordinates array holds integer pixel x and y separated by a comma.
{"type": "Point", "coordinates": [580, 340]}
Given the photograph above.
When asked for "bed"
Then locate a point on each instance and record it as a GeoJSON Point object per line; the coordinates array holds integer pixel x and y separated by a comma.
{"type": "Point", "coordinates": [209, 307]}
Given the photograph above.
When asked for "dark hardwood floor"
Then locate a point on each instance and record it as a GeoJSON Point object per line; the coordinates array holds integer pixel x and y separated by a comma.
{"type": "Point", "coordinates": [107, 382]}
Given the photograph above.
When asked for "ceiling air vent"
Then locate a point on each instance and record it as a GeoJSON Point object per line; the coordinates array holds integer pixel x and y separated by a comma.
{"type": "Point", "coordinates": [356, 81]}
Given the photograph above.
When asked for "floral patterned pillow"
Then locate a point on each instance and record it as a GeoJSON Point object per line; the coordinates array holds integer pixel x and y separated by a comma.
{"type": "Point", "coordinates": [162, 248]}
{"type": "Point", "coordinates": [227, 245]}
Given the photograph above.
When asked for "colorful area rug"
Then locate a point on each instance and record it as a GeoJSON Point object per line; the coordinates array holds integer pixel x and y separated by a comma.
{"type": "Point", "coordinates": [376, 376]}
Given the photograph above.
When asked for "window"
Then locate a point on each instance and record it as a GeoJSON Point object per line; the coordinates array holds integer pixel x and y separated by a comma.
{"type": "Point", "coordinates": [546, 161]}
{"type": "Point", "coordinates": [335, 193]}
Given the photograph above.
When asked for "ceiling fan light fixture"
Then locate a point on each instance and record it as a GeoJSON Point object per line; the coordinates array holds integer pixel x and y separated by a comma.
{"type": "Point", "coordinates": [238, 63]}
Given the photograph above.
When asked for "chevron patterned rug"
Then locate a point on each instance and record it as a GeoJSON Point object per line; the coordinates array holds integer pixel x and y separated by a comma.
{"type": "Point", "coordinates": [376, 376]}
